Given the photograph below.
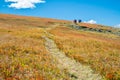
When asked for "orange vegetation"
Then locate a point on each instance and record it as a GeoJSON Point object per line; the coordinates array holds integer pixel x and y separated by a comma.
{"type": "Point", "coordinates": [23, 55]}
{"type": "Point", "coordinates": [101, 51]}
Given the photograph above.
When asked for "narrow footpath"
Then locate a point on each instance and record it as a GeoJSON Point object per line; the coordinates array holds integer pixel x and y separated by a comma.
{"type": "Point", "coordinates": [76, 70]}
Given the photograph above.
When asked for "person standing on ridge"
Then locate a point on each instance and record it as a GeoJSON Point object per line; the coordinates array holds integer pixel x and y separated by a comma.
{"type": "Point", "coordinates": [75, 21]}
{"type": "Point", "coordinates": [79, 21]}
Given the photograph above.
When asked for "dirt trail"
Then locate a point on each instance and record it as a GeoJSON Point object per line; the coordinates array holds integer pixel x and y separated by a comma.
{"type": "Point", "coordinates": [76, 70]}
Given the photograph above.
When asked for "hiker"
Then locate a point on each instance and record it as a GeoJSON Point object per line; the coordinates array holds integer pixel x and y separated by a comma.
{"type": "Point", "coordinates": [79, 21]}
{"type": "Point", "coordinates": [75, 21]}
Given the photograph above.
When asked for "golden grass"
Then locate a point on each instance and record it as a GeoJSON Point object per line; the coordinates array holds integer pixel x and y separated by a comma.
{"type": "Point", "coordinates": [100, 51]}
{"type": "Point", "coordinates": [23, 55]}
{"type": "Point", "coordinates": [96, 26]}
{"type": "Point", "coordinates": [18, 21]}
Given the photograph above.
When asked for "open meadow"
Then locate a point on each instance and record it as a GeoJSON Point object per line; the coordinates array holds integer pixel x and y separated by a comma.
{"type": "Point", "coordinates": [24, 54]}
{"type": "Point", "coordinates": [99, 50]}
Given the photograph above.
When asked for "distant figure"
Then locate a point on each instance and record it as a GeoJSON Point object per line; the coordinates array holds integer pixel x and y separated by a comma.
{"type": "Point", "coordinates": [75, 21]}
{"type": "Point", "coordinates": [79, 21]}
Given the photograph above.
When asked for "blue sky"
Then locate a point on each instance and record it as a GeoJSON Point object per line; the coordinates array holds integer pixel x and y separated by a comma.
{"type": "Point", "coordinates": [106, 12]}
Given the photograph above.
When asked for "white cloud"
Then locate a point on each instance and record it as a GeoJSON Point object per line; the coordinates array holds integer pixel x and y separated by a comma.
{"type": "Point", "coordinates": [117, 26]}
{"type": "Point", "coordinates": [18, 4]}
{"type": "Point", "coordinates": [91, 21]}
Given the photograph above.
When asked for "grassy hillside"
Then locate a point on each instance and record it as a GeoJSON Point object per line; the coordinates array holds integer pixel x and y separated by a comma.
{"type": "Point", "coordinates": [18, 21]}
{"type": "Point", "coordinates": [96, 28]}
{"type": "Point", "coordinates": [100, 50]}
{"type": "Point", "coordinates": [23, 55]}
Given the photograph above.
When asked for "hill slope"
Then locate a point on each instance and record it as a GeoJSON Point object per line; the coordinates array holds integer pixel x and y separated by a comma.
{"type": "Point", "coordinates": [23, 52]}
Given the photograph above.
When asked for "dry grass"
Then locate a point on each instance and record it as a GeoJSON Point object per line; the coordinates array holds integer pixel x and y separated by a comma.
{"type": "Point", "coordinates": [23, 55]}
{"type": "Point", "coordinates": [96, 26]}
{"type": "Point", "coordinates": [101, 51]}
{"type": "Point", "coordinates": [18, 21]}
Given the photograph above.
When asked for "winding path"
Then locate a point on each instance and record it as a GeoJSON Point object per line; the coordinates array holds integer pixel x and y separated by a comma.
{"type": "Point", "coordinates": [76, 70]}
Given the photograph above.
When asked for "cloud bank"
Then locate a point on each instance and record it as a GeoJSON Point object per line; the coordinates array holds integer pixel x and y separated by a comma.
{"type": "Point", "coordinates": [117, 26]}
{"type": "Point", "coordinates": [19, 4]}
{"type": "Point", "coordinates": [91, 21]}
